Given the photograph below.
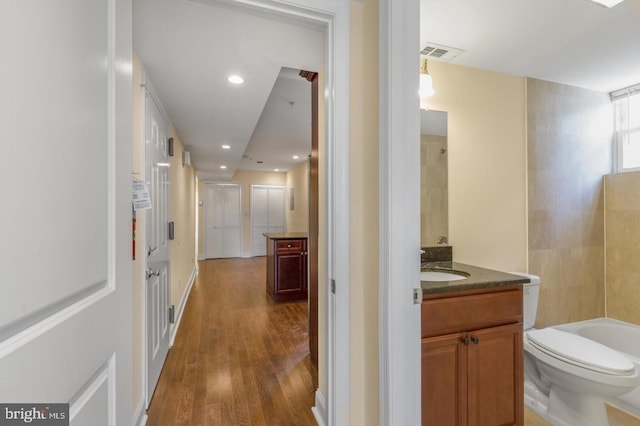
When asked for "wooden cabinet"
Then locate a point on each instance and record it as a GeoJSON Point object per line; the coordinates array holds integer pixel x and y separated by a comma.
{"type": "Point", "coordinates": [287, 268]}
{"type": "Point", "coordinates": [472, 354]}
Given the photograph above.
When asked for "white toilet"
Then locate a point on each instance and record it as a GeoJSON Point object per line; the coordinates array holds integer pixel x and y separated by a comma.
{"type": "Point", "coordinates": [567, 377]}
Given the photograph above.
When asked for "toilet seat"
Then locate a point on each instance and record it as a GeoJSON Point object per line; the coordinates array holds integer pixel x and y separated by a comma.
{"type": "Point", "coordinates": [580, 351]}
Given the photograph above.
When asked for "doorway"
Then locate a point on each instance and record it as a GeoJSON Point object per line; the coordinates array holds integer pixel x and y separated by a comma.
{"type": "Point", "coordinates": [222, 220]}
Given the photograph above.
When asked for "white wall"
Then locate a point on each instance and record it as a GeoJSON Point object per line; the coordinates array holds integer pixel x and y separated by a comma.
{"type": "Point", "coordinates": [487, 164]}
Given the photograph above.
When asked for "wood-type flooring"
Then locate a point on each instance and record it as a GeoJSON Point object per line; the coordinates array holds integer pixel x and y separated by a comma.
{"type": "Point", "coordinates": [238, 358]}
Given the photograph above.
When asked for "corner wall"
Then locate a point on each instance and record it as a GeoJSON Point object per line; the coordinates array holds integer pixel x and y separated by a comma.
{"type": "Point", "coordinates": [569, 150]}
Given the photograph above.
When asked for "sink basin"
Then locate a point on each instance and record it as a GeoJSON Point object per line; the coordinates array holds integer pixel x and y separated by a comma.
{"type": "Point", "coordinates": [442, 275]}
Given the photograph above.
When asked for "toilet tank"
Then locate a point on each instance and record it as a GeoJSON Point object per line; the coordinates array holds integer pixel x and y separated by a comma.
{"type": "Point", "coordinates": [530, 292]}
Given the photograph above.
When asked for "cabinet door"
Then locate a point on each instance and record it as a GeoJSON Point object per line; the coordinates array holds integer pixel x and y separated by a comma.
{"type": "Point", "coordinates": [290, 269]}
{"type": "Point", "coordinates": [495, 376]}
{"type": "Point", "coordinates": [444, 389]}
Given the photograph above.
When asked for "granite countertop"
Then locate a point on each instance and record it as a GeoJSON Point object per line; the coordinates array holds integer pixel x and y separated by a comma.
{"type": "Point", "coordinates": [285, 235]}
{"type": "Point", "coordinates": [479, 278]}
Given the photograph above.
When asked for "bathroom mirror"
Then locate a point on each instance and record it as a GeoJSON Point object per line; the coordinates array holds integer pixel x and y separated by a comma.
{"type": "Point", "coordinates": [434, 181]}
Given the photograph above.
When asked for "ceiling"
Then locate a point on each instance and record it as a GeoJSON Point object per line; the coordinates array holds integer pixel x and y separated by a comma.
{"type": "Point", "coordinates": [188, 48]}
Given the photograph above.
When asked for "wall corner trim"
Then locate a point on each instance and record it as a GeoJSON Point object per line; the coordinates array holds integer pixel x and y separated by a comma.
{"type": "Point", "coordinates": [320, 409]}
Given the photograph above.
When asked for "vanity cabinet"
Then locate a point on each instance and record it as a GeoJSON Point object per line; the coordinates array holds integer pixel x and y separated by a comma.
{"type": "Point", "coordinates": [286, 268]}
{"type": "Point", "coordinates": [472, 371]}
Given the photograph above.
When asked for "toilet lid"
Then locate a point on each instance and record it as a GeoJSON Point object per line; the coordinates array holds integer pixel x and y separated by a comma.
{"type": "Point", "coordinates": [580, 351]}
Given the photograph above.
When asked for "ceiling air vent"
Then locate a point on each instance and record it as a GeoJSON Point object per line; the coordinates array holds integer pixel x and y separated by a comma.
{"type": "Point", "coordinates": [438, 52]}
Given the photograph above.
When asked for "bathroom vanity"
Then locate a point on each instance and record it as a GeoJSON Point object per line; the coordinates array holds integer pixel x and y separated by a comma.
{"type": "Point", "coordinates": [472, 355]}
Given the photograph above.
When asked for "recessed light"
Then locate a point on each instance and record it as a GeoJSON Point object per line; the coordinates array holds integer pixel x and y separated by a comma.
{"type": "Point", "coordinates": [607, 3]}
{"type": "Point", "coordinates": [276, 170]}
{"type": "Point", "coordinates": [295, 157]}
{"type": "Point", "coordinates": [226, 147]}
{"type": "Point", "coordinates": [235, 79]}
{"type": "Point", "coordinates": [223, 167]}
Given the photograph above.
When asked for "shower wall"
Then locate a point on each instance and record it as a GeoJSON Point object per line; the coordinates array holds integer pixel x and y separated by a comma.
{"type": "Point", "coordinates": [569, 132]}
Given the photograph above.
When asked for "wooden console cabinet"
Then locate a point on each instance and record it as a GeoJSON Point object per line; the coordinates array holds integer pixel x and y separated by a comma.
{"type": "Point", "coordinates": [287, 266]}
{"type": "Point", "coordinates": [472, 355]}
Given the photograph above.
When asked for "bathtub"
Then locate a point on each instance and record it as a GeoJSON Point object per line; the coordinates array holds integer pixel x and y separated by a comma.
{"type": "Point", "coordinates": [618, 335]}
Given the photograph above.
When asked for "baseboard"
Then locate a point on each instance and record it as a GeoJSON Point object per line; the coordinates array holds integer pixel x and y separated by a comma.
{"type": "Point", "coordinates": [140, 415]}
{"type": "Point", "coordinates": [320, 409]}
{"type": "Point", "coordinates": [246, 254]}
{"type": "Point", "coordinates": [183, 302]}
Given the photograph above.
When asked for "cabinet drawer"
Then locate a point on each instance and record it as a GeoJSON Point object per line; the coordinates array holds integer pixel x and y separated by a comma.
{"type": "Point", "coordinates": [286, 246]}
{"type": "Point", "coordinates": [471, 312]}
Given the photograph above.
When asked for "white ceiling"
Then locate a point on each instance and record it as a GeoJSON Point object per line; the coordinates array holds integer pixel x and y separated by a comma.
{"type": "Point", "coordinates": [189, 47]}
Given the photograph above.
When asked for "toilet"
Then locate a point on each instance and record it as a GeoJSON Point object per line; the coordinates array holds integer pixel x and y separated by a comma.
{"type": "Point", "coordinates": [568, 377]}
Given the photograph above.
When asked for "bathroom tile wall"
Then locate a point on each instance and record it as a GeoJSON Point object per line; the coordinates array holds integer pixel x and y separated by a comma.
{"type": "Point", "coordinates": [434, 218]}
{"type": "Point", "coordinates": [622, 210]}
{"type": "Point", "coordinates": [569, 133]}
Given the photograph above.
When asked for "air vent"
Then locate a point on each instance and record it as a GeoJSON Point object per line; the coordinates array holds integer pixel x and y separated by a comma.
{"type": "Point", "coordinates": [438, 52]}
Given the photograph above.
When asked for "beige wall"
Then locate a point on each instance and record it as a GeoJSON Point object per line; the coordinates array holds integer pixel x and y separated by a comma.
{"type": "Point", "coordinates": [182, 211]}
{"type": "Point", "coordinates": [363, 187]}
{"type": "Point", "coordinates": [298, 179]}
{"type": "Point", "coordinates": [487, 164]}
{"type": "Point", "coordinates": [434, 198]}
{"type": "Point", "coordinates": [622, 210]}
{"type": "Point", "coordinates": [138, 263]}
{"type": "Point", "coordinates": [569, 151]}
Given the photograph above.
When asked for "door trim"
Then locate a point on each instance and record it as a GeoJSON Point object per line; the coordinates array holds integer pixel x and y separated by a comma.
{"type": "Point", "coordinates": [334, 16]}
{"type": "Point", "coordinates": [400, 386]}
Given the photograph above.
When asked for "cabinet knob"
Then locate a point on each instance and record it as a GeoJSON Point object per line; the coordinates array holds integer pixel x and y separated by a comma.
{"type": "Point", "coordinates": [475, 340]}
{"type": "Point", "coordinates": [289, 245]}
{"type": "Point", "coordinates": [465, 340]}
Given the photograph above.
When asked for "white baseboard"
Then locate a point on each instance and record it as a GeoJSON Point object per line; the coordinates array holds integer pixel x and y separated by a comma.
{"type": "Point", "coordinates": [140, 414]}
{"type": "Point", "coordinates": [320, 409]}
{"type": "Point", "coordinates": [183, 302]}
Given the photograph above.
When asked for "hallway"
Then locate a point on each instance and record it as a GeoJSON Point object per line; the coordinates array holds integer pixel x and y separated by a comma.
{"type": "Point", "coordinates": [238, 358]}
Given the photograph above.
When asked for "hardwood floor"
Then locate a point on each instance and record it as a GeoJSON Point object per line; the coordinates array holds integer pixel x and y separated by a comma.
{"type": "Point", "coordinates": [238, 357]}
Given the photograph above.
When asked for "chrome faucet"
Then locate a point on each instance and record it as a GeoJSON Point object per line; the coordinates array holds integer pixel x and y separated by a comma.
{"type": "Point", "coordinates": [442, 240]}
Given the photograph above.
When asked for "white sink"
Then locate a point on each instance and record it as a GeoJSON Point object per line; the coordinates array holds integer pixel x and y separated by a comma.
{"type": "Point", "coordinates": [441, 276]}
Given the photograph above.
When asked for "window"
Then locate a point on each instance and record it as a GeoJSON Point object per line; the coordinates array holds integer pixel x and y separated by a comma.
{"type": "Point", "coordinates": [627, 128]}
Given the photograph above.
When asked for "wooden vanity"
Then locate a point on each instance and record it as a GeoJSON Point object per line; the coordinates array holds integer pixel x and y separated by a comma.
{"type": "Point", "coordinates": [472, 355]}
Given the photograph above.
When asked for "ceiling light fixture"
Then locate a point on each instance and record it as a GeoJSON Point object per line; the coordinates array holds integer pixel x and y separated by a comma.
{"type": "Point", "coordinates": [226, 147]}
{"type": "Point", "coordinates": [235, 79]}
{"type": "Point", "coordinates": [295, 157]}
{"type": "Point", "coordinates": [426, 83]}
{"type": "Point", "coordinates": [276, 170]}
{"type": "Point", "coordinates": [223, 167]}
{"type": "Point", "coordinates": [607, 3]}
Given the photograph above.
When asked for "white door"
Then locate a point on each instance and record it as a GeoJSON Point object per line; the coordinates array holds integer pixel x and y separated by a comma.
{"type": "Point", "coordinates": [267, 215]}
{"type": "Point", "coordinates": [65, 250]}
{"type": "Point", "coordinates": [156, 241]}
{"type": "Point", "coordinates": [223, 220]}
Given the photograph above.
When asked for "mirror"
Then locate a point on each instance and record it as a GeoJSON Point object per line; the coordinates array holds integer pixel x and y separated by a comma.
{"type": "Point", "coordinates": [434, 181]}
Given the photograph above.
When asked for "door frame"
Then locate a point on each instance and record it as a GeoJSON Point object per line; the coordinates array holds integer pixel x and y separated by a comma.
{"type": "Point", "coordinates": [334, 16]}
{"type": "Point", "coordinates": [400, 364]}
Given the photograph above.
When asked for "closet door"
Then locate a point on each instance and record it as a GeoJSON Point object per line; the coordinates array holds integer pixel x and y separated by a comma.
{"type": "Point", "coordinates": [267, 215]}
{"type": "Point", "coordinates": [223, 219]}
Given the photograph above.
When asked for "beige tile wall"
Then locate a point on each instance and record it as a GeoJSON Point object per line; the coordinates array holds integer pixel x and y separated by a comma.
{"type": "Point", "coordinates": [434, 212]}
{"type": "Point", "coordinates": [569, 132]}
{"type": "Point", "coordinates": [622, 208]}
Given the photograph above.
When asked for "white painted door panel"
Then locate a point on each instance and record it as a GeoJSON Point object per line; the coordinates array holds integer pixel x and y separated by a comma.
{"type": "Point", "coordinates": [65, 310]}
{"type": "Point", "coordinates": [267, 215]}
{"type": "Point", "coordinates": [157, 241]}
{"type": "Point", "coordinates": [223, 220]}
